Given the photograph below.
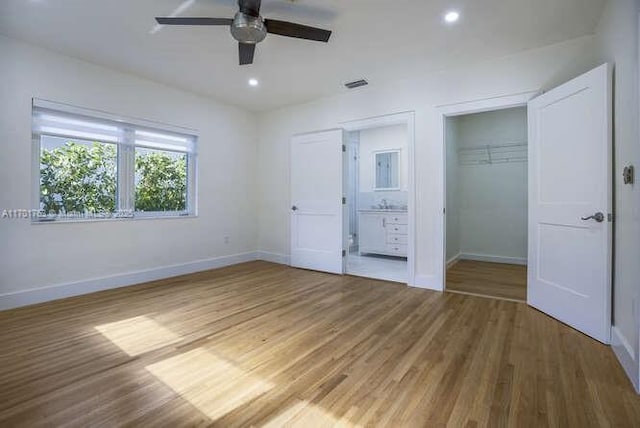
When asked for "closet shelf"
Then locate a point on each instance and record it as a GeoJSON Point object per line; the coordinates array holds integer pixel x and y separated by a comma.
{"type": "Point", "coordinates": [490, 154]}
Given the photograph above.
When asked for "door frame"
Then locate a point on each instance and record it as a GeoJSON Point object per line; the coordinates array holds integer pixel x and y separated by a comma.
{"type": "Point", "coordinates": [406, 118]}
{"type": "Point", "coordinates": [461, 109]}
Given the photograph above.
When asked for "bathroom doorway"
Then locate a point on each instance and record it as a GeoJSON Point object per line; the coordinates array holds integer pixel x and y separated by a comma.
{"type": "Point", "coordinates": [379, 200]}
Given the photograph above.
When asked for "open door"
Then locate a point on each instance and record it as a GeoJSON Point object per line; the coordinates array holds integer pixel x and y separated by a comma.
{"type": "Point", "coordinates": [570, 203]}
{"type": "Point", "coordinates": [317, 212]}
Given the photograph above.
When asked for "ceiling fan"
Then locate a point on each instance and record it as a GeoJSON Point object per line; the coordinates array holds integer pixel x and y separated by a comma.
{"type": "Point", "coordinates": [249, 28]}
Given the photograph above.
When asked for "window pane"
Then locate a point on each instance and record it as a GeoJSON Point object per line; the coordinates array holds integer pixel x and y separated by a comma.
{"type": "Point", "coordinates": [161, 180]}
{"type": "Point", "coordinates": [77, 176]}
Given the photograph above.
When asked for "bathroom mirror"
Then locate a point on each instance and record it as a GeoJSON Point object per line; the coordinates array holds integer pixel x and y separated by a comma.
{"type": "Point", "coordinates": [387, 167]}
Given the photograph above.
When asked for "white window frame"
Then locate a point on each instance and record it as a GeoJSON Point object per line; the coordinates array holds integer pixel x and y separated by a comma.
{"type": "Point", "coordinates": [126, 149]}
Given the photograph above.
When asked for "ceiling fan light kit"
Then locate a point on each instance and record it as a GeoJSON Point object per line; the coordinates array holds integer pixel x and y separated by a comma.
{"type": "Point", "coordinates": [249, 28]}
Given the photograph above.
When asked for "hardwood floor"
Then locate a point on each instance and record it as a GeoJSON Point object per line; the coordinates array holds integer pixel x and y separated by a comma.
{"type": "Point", "coordinates": [265, 345]}
{"type": "Point", "coordinates": [488, 279]}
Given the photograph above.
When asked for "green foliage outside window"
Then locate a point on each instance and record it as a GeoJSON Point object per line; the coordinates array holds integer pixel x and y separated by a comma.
{"type": "Point", "coordinates": [161, 181]}
{"type": "Point", "coordinates": [83, 177]}
{"type": "Point", "coordinates": [78, 178]}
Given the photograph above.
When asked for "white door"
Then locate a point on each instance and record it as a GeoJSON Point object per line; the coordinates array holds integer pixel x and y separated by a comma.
{"type": "Point", "coordinates": [317, 212]}
{"type": "Point", "coordinates": [570, 201]}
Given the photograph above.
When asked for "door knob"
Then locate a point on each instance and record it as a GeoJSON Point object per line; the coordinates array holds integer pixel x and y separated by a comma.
{"type": "Point", "coordinates": [599, 217]}
{"type": "Point", "coordinates": [294, 208]}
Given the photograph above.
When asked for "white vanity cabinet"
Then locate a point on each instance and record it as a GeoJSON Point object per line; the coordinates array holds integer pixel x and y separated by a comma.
{"type": "Point", "coordinates": [381, 232]}
{"type": "Point", "coordinates": [372, 236]}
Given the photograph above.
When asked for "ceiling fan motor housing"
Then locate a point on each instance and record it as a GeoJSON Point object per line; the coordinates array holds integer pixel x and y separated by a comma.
{"type": "Point", "coordinates": [248, 29]}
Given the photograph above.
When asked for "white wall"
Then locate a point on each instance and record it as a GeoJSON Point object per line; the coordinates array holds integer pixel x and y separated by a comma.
{"type": "Point", "coordinates": [383, 138]}
{"type": "Point", "coordinates": [618, 43]}
{"type": "Point", "coordinates": [36, 256]}
{"type": "Point", "coordinates": [492, 199]}
{"type": "Point", "coordinates": [530, 70]}
{"type": "Point", "coordinates": [493, 127]}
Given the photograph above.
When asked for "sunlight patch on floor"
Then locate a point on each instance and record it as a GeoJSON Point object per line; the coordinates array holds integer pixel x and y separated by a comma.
{"type": "Point", "coordinates": [306, 414]}
{"type": "Point", "coordinates": [138, 335]}
{"type": "Point", "coordinates": [211, 384]}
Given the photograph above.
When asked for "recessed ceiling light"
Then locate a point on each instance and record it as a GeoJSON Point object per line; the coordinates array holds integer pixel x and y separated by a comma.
{"type": "Point", "coordinates": [451, 17]}
{"type": "Point", "coordinates": [253, 82]}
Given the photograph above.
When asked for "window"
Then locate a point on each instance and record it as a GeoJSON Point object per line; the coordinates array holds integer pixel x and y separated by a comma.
{"type": "Point", "coordinates": [77, 175]}
{"type": "Point", "coordinates": [93, 165]}
{"type": "Point", "coordinates": [161, 171]}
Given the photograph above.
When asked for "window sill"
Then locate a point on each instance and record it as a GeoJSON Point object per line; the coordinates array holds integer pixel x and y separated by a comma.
{"type": "Point", "coordinates": [103, 220]}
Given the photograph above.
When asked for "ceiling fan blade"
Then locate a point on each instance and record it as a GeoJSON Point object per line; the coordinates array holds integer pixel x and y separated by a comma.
{"type": "Point", "coordinates": [250, 7]}
{"type": "Point", "coordinates": [247, 50]}
{"type": "Point", "coordinates": [194, 21]}
{"type": "Point", "coordinates": [289, 29]}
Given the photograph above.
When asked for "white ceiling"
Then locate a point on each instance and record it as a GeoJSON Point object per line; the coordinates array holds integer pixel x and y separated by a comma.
{"type": "Point", "coordinates": [382, 40]}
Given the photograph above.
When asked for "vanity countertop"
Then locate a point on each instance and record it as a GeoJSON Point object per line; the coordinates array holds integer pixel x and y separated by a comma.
{"type": "Point", "coordinates": [374, 210]}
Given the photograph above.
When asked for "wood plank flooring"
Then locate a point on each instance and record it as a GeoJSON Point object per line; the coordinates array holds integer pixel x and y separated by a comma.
{"type": "Point", "coordinates": [260, 344]}
{"type": "Point", "coordinates": [488, 279]}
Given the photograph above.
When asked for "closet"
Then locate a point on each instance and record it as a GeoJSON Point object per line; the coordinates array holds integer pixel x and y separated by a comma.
{"type": "Point", "coordinates": [486, 203]}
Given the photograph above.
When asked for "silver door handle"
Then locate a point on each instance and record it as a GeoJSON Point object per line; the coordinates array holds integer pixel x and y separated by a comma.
{"type": "Point", "coordinates": [384, 222]}
{"type": "Point", "coordinates": [599, 217]}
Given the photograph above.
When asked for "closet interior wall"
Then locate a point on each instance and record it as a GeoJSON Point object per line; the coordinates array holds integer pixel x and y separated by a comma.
{"type": "Point", "coordinates": [487, 186]}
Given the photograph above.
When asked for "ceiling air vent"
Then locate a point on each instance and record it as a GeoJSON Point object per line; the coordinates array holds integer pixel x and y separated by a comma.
{"type": "Point", "coordinates": [356, 84]}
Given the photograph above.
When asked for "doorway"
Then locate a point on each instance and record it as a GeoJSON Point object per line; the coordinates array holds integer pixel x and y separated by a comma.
{"type": "Point", "coordinates": [487, 203]}
{"type": "Point", "coordinates": [378, 202]}
{"type": "Point", "coordinates": [332, 214]}
{"type": "Point", "coordinates": [379, 197]}
{"type": "Point", "coordinates": [570, 209]}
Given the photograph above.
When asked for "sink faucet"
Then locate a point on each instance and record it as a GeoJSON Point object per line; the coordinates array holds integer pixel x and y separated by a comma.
{"type": "Point", "coordinates": [384, 204]}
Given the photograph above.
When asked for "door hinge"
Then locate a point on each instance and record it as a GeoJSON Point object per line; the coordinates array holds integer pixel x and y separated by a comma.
{"type": "Point", "coordinates": [344, 148]}
{"type": "Point", "coordinates": [344, 253]}
{"type": "Point", "coordinates": [344, 201]}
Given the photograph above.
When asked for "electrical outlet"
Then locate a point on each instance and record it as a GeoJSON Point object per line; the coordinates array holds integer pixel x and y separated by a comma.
{"type": "Point", "coordinates": [628, 174]}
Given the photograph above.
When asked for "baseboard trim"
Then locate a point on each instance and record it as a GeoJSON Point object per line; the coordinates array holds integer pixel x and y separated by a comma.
{"type": "Point", "coordinates": [61, 291]}
{"type": "Point", "coordinates": [453, 260]}
{"type": "Point", "coordinates": [626, 356]}
{"type": "Point", "coordinates": [428, 282]}
{"type": "Point", "coordinates": [493, 259]}
{"type": "Point", "coordinates": [266, 256]}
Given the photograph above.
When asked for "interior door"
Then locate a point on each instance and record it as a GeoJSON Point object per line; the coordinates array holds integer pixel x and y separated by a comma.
{"type": "Point", "coordinates": [317, 211]}
{"type": "Point", "coordinates": [570, 201]}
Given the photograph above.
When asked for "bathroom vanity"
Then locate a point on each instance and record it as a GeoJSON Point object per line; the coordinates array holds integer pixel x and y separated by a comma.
{"type": "Point", "coordinates": [383, 231]}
